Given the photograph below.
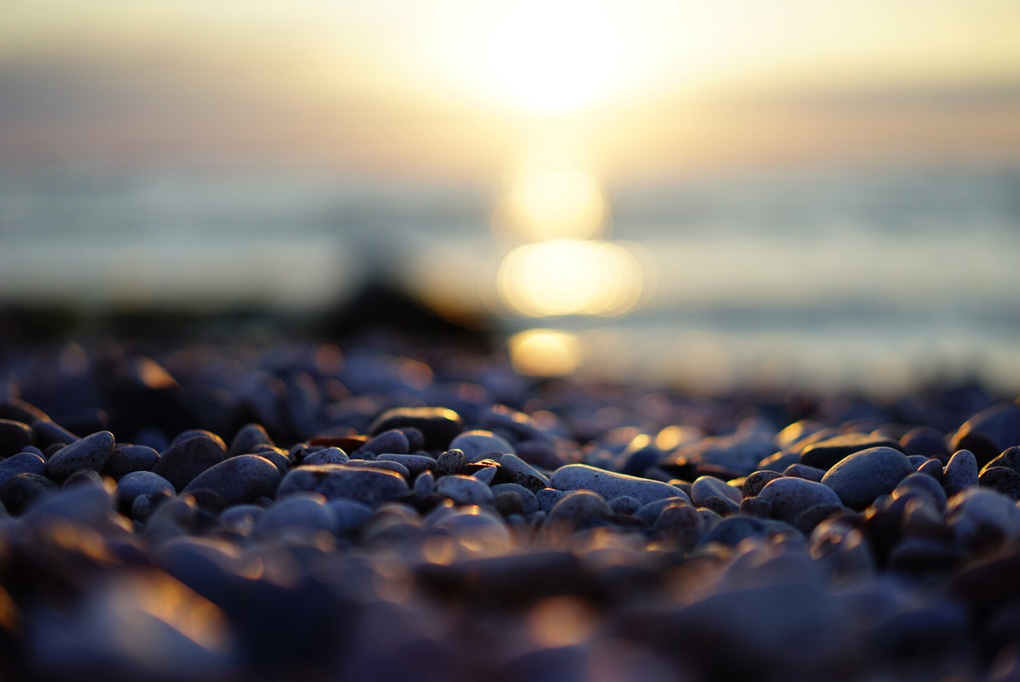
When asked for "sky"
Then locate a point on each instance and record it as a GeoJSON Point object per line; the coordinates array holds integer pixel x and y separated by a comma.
{"type": "Point", "coordinates": [458, 88]}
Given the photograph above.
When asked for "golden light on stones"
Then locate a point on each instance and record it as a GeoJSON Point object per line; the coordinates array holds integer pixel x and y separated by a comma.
{"type": "Point", "coordinates": [561, 621]}
{"type": "Point", "coordinates": [544, 352]}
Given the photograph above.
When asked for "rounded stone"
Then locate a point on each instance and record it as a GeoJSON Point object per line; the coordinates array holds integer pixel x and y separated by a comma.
{"type": "Point", "coordinates": [393, 442]}
{"type": "Point", "coordinates": [522, 473]}
{"type": "Point", "coordinates": [790, 496]}
{"type": "Point", "coordinates": [22, 463]}
{"type": "Point", "coordinates": [248, 438]}
{"type": "Point", "coordinates": [478, 445]}
{"type": "Point", "coordinates": [91, 452]}
{"type": "Point", "coordinates": [21, 490]}
{"type": "Point", "coordinates": [580, 508]}
{"type": "Point", "coordinates": [305, 511]}
{"type": "Point", "coordinates": [754, 483]}
{"type": "Point", "coordinates": [960, 473]}
{"type": "Point", "coordinates": [861, 477]}
{"type": "Point", "coordinates": [464, 490]}
{"type": "Point", "coordinates": [238, 480]}
{"type": "Point", "coordinates": [341, 481]}
{"type": "Point", "coordinates": [47, 433]}
{"type": "Point", "coordinates": [188, 456]}
{"type": "Point", "coordinates": [709, 486]}
{"type": "Point", "coordinates": [438, 425]}
{"type": "Point", "coordinates": [130, 486]}
{"type": "Point", "coordinates": [1002, 480]}
{"type": "Point", "coordinates": [14, 436]}
{"type": "Point", "coordinates": [126, 459]}
{"type": "Point", "coordinates": [827, 453]}
{"type": "Point", "coordinates": [326, 456]}
{"type": "Point", "coordinates": [611, 485]}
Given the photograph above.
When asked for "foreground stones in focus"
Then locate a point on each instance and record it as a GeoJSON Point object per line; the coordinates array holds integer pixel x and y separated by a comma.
{"type": "Point", "coordinates": [366, 523]}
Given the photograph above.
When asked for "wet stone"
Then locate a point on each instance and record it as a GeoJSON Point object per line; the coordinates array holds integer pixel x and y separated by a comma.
{"type": "Point", "coordinates": [438, 425]}
{"type": "Point", "coordinates": [126, 459]}
{"type": "Point", "coordinates": [186, 458]}
{"type": "Point", "coordinates": [960, 473]}
{"type": "Point", "coordinates": [1001, 479]}
{"type": "Point", "coordinates": [861, 477]}
{"type": "Point", "coordinates": [464, 490]}
{"type": "Point", "coordinates": [91, 452]}
{"type": "Point", "coordinates": [14, 436]}
{"type": "Point", "coordinates": [239, 479]}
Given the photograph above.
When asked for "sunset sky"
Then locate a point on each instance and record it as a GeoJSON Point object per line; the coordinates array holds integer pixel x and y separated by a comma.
{"type": "Point", "coordinates": [458, 88]}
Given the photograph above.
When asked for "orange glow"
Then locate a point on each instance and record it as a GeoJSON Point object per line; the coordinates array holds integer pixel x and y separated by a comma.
{"type": "Point", "coordinates": [561, 621]}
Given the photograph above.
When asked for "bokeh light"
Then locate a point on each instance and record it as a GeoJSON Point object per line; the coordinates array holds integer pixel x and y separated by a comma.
{"type": "Point", "coordinates": [553, 203]}
{"type": "Point", "coordinates": [544, 352]}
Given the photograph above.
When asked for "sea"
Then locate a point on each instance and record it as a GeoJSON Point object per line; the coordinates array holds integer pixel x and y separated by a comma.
{"type": "Point", "coordinates": [877, 279]}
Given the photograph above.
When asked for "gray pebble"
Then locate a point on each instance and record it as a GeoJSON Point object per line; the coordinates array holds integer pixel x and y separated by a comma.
{"type": "Point", "coordinates": [548, 497]}
{"type": "Point", "coordinates": [349, 514]}
{"type": "Point", "coordinates": [758, 480]}
{"type": "Point", "coordinates": [382, 465]}
{"type": "Point", "coordinates": [138, 483]}
{"type": "Point", "coordinates": [804, 471]}
{"type": "Point", "coordinates": [415, 464]}
{"type": "Point", "coordinates": [90, 452]}
{"type": "Point", "coordinates": [680, 523]}
{"type": "Point", "coordinates": [342, 481]}
{"type": "Point", "coordinates": [757, 507]}
{"type": "Point", "coordinates": [128, 458]}
{"type": "Point", "coordinates": [524, 474]}
{"type": "Point", "coordinates": [611, 485]}
{"type": "Point", "coordinates": [528, 499]}
{"type": "Point", "coordinates": [83, 477]}
{"type": "Point", "coordinates": [189, 456]}
{"type": "Point", "coordinates": [861, 477]}
{"type": "Point", "coordinates": [14, 436]}
{"type": "Point", "coordinates": [393, 441]}
{"type": "Point", "coordinates": [925, 485]}
{"type": "Point", "coordinates": [580, 508]}
{"type": "Point", "coordinates": [326, 456]}
{"type": "Point", "coordinates": [242, 517]}
{"type": "Point", "coordinates": [960, 473]}
{"type": "Point", "coordinates": [485, 475]}
{"type": "Point", "coordinates": [246, 440]}
{"type": "Point", "coordinates": [723, 506]}
{"type": "Point", "coordinates": [709, 486]}
{"type": "Point", "coordinates": [931, 468]}
{"type": "Point", "coordinates": [21, 490]}
{"type": "Point", "coordinates": [627, 506]}
{"type": "Point", "coordinates": [238, 480]}
{"type": "Point", "coordinates": [22, 463]}
{"type": "Point", "coordinates": [47, 432]}
{"type": "Point", "coordinates": [305, 511]}
{"type": "Point", "coordinates": [424, 486]}
{"type": "Point", "coordinates": [477, 445]}
{"type": "Point", "coordinates": [734, 530]}
{"type": "Point", "coordinates": [464, 490]}
{"type": "Point", "coordinates": [450, 463]}
{"type": "Point", "coordinates": [790, 496]}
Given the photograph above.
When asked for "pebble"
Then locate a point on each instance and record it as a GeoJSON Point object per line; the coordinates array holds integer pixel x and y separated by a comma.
{"type": "Point", "coordinates": [450, 463]}
{"type": "Point", "coordinates": [91, 452]}
{"type": "Point", "coordinates": [21, 490]}
{"type": "Point", "coordinates": [547, 497]}
{"type": "Point", "coordinates": [931, 468]}
{"type": "Point", "coordinates": [753, 506]}
{"type": "Point", "coordinates": [48, 433]}
{"type": "Point", "coordinates": [680, 523]}
{"type": "Point", "coordinates": [627, 506]}
{"type": "Point", "coordinates": [424, 486]}
{"type": "Point", "coordinates": [383, 465]}
{"type": "Point", "coordinates": [13, 437]}
{"type": "Point", "coordinates": [754, 482]}
{"type": "Point", "coordinates": [611, 485]}
{"type": "Point", "coordinates": [708, 486]}
{"type": "Point", "coordinates": [249, 437]}
{"type": "Point", "coordinates": [341, 481]}
{"type": "Point", "coordinates": [302, 511]}
{"type": "Point", "coordinates": [238, 480]}
{"type": "Point", "coordinates": [1010, 458]}
{"type": "Point", "coordinates": [486, 475]}
{"type": "Point", "coordinates": [464, 490]}
{"type": "Point", "coordinates": [960, 473]}
{"type": "Point", "coordinates": [989, 432]}
{"type": "Point", "coordinates": [186, 458]}
{"type": "Point", "coordinates": [83, 477]}
{"type": "Point", "coordinates": [522, 473]}
{"type": "Point", "coordinates": [22, 463]}
{"type": "Point", "coordinates": [478, 445]}
{"type": "Point", "coordinates": [393, 442]}
{"type": "Point", "coordinates": [580, 508]}
{"type": "Point", "coordinates": [130, 486]}
{"type": "Point", "coordinates": [1001, 479]}
{"type": "Point", "coordinates": [326, 456]}
{"type": "Point", "coordinates": [805, 472]}
{"type": "Point", "coordinates": [734, 530]}
{"type": "Point", "coordinates": [790, 496]}
{"type": "Point", "coordinates": [827, 453]}
{"type": "Point", "coordinates": [924, 441]}
{"type": "Point", "coordinates": [861, 477]}
{"type": "Point", "coordinates": [349, 514]}
{"type": "Point", "coordinates": [981, 516]}
{"type": "Point", "coordinates": [438, 425]}
{"type": "Point", "coordinates": [126, 459]}
{"type": "Point", "coordinates": [924, 485]}
{"type": "Point", "coordinates": [722, 506]}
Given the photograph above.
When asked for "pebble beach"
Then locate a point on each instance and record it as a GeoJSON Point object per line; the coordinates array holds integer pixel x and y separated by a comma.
{"type": "Point", "coordinates": [380, 512]}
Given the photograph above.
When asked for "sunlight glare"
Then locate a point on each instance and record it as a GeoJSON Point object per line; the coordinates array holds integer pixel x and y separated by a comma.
{"type": "Point", "coordinates": [553, 55]}
{"type": "Point", "coordinates": [553, 203]}
{"type": "Point", "coordinates": [544, 352]}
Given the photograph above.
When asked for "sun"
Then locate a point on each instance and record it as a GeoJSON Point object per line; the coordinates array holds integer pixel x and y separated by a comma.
{"type": "Point", "coordinates": [553, 55]}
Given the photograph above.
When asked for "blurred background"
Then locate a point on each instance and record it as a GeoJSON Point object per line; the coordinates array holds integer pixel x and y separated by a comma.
{"type": "Point", "coordinates": [704, 195]}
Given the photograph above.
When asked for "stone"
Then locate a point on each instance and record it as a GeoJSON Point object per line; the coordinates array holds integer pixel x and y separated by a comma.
{"type": "Point", "coordinates": [21, 490]}
{"type": "Point", "coordinates": [438, 425]}
{"type": "Point", "coordinates": [739, 452]}
{"type": "Point", "coordinates": [22, 463]}
{"type": "Point", "coordinates": [126, 459]}
{"type": "Point", "coordinates": [960, 473]}
{"type": "Point", "coordinates": [827, 453]}
{"type": "Point", "coordinates": [753, 506]}
{"type": "Point", "coordinates": [790, 496]}
{"type": "Point", "coordinates": [861, 477]}
{"type": "Point", "coordinates": [486, 475]}
{"type": "Point", "coordinates": [611, 485]}
{"type": "Point", "coordinates": [238, 480]}
{"type": "Point", "coordinates": [326, 456]}
{"type": "Point", "coordinates": [424, 486]}
{"type": "Point", "coordinates": [302, 511]}
{"type": "Point", "coordinates": [383, 465]}
{"type": "Point", "coordinates": [349, 514]}
{"type": "Point", "coordinates": [989, 432]}
{"type": "Point", "coordinates": [982, 516]}
{"type": "Point", "coordinates": [779, 461]}
{"type": "Point", "coordinates": [548, 497]}
{"type": "Point", "coordinates": [723, 506]}
{"type": "Point", "coordinates": [47, 433]}
{"type": "Point", "coordinates": [709, 486]}
{"type": "Point", "coordinates": [14, 436]}
{"type": "Point", "coordinates": [393, 442]}
{"type": "Point", "coordinates": [136, 483]}
{"type": "Point", "coordinates": [91, 452]}
{"type": "Point", "coordinates": [522, 473]}
{"type": "Point", "coordinates": [1010, 459]}
{"type": "Point", "coordinates": [626, 506]}
{"type": "Point", "coordinates": [734, 530]}
{"type": "Point", "coordinates": [1001, 479]}
{"type": "Point", "coordinates": [450, 463]}
{"type": "Point", "coordinates": [83, 477]}
{"type": "Point", "coordinates": [464, 490]}
{"type": "Point", "coordinates": [923, 485]}
{"type": "Point", "coordinates": [186, 458]}
{"type": "Point", "coordinates": [477, 445]}
{"type": "Point", "coordinates": [247, 439]}
{"type": "Point", "coordinates": [924, 441]}
{"type": "Point", "coordinates": [807, 520]}
{"type": "Point", "coordinates": [415, 464]}
{"type": "Point", "coordinates": [528, 499]}
{"type": "Point", "coordinates": [754, 482]}
{"type": "Point", "coordinates": [931, 468]}
{"type": "Point", "coordinates": [680, 523]}
{"type": "Point", "coordinates": [579, 508]}
{"type": "Point", "coordinates": [370, 487]}
{"type": "Point", "coordinates": [804, 471]}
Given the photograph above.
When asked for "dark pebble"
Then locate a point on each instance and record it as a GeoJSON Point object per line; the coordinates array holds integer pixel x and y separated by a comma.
{"type": "Point", "coordinates": [126, 459]}
{"type": "Point", "coordinates": [438, 425]}
{"type": "Point", "coordinates": [861, 477]}
{"type": "Point", "coordinates": [807, 520]}
{"type": "Point", "coordinates": [960, 473]}
{"type": "Point", "coordinates": [83, 477]}
{"type": "Point", "coordinates": [21, 490]}
{"type": "Point", "coordinates": [91, 452]}
{"type": "Point", "coordinates": [804, 471]}
{"type": "Point", "coordinates": [14, 436]}
{"type": "Point", "coordinates": [1001, 479]}
{"type": "Point", "coordinates": [989, 432]}
{"type": "Point", "coordinates": [393, 442]}
{"type": "Point", "coordinates": [754, 483]}
{"type": "Point", "coordinates": [827, 453]}
{"type": "Point", "coordinates": [22, 463]}
{"type": "Point", "coordinates": [925, 441]}
{"type": "Point", "coordinates": [238, 480]}
{"type": "Point", "coordinates": [790, 496]}
{"type": "Point", "coordinates": [734, 530]}
{"type": "Point", "coordinates": [1010, 459]}
{"type": "Point", "coordinates": [340, 481]}
{"type": "Point", "coordinates": [932, 468]}
{"type": "Point", "coordinates": [187, 458]}
{"type": "Point", "coordinates": [450, 463]}
{"type": "Point", "coordinates": [723, 506]}
{"type": "Point", "coordinates": [756, 507]}
{"type": "Point", "coordinates": [248, 438]}
{"type": "Point", "coordinates": [47, 432]}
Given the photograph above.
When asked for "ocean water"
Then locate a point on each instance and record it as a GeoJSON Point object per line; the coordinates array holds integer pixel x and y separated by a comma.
{"type": "Point", "coordinates": [874, 279]}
